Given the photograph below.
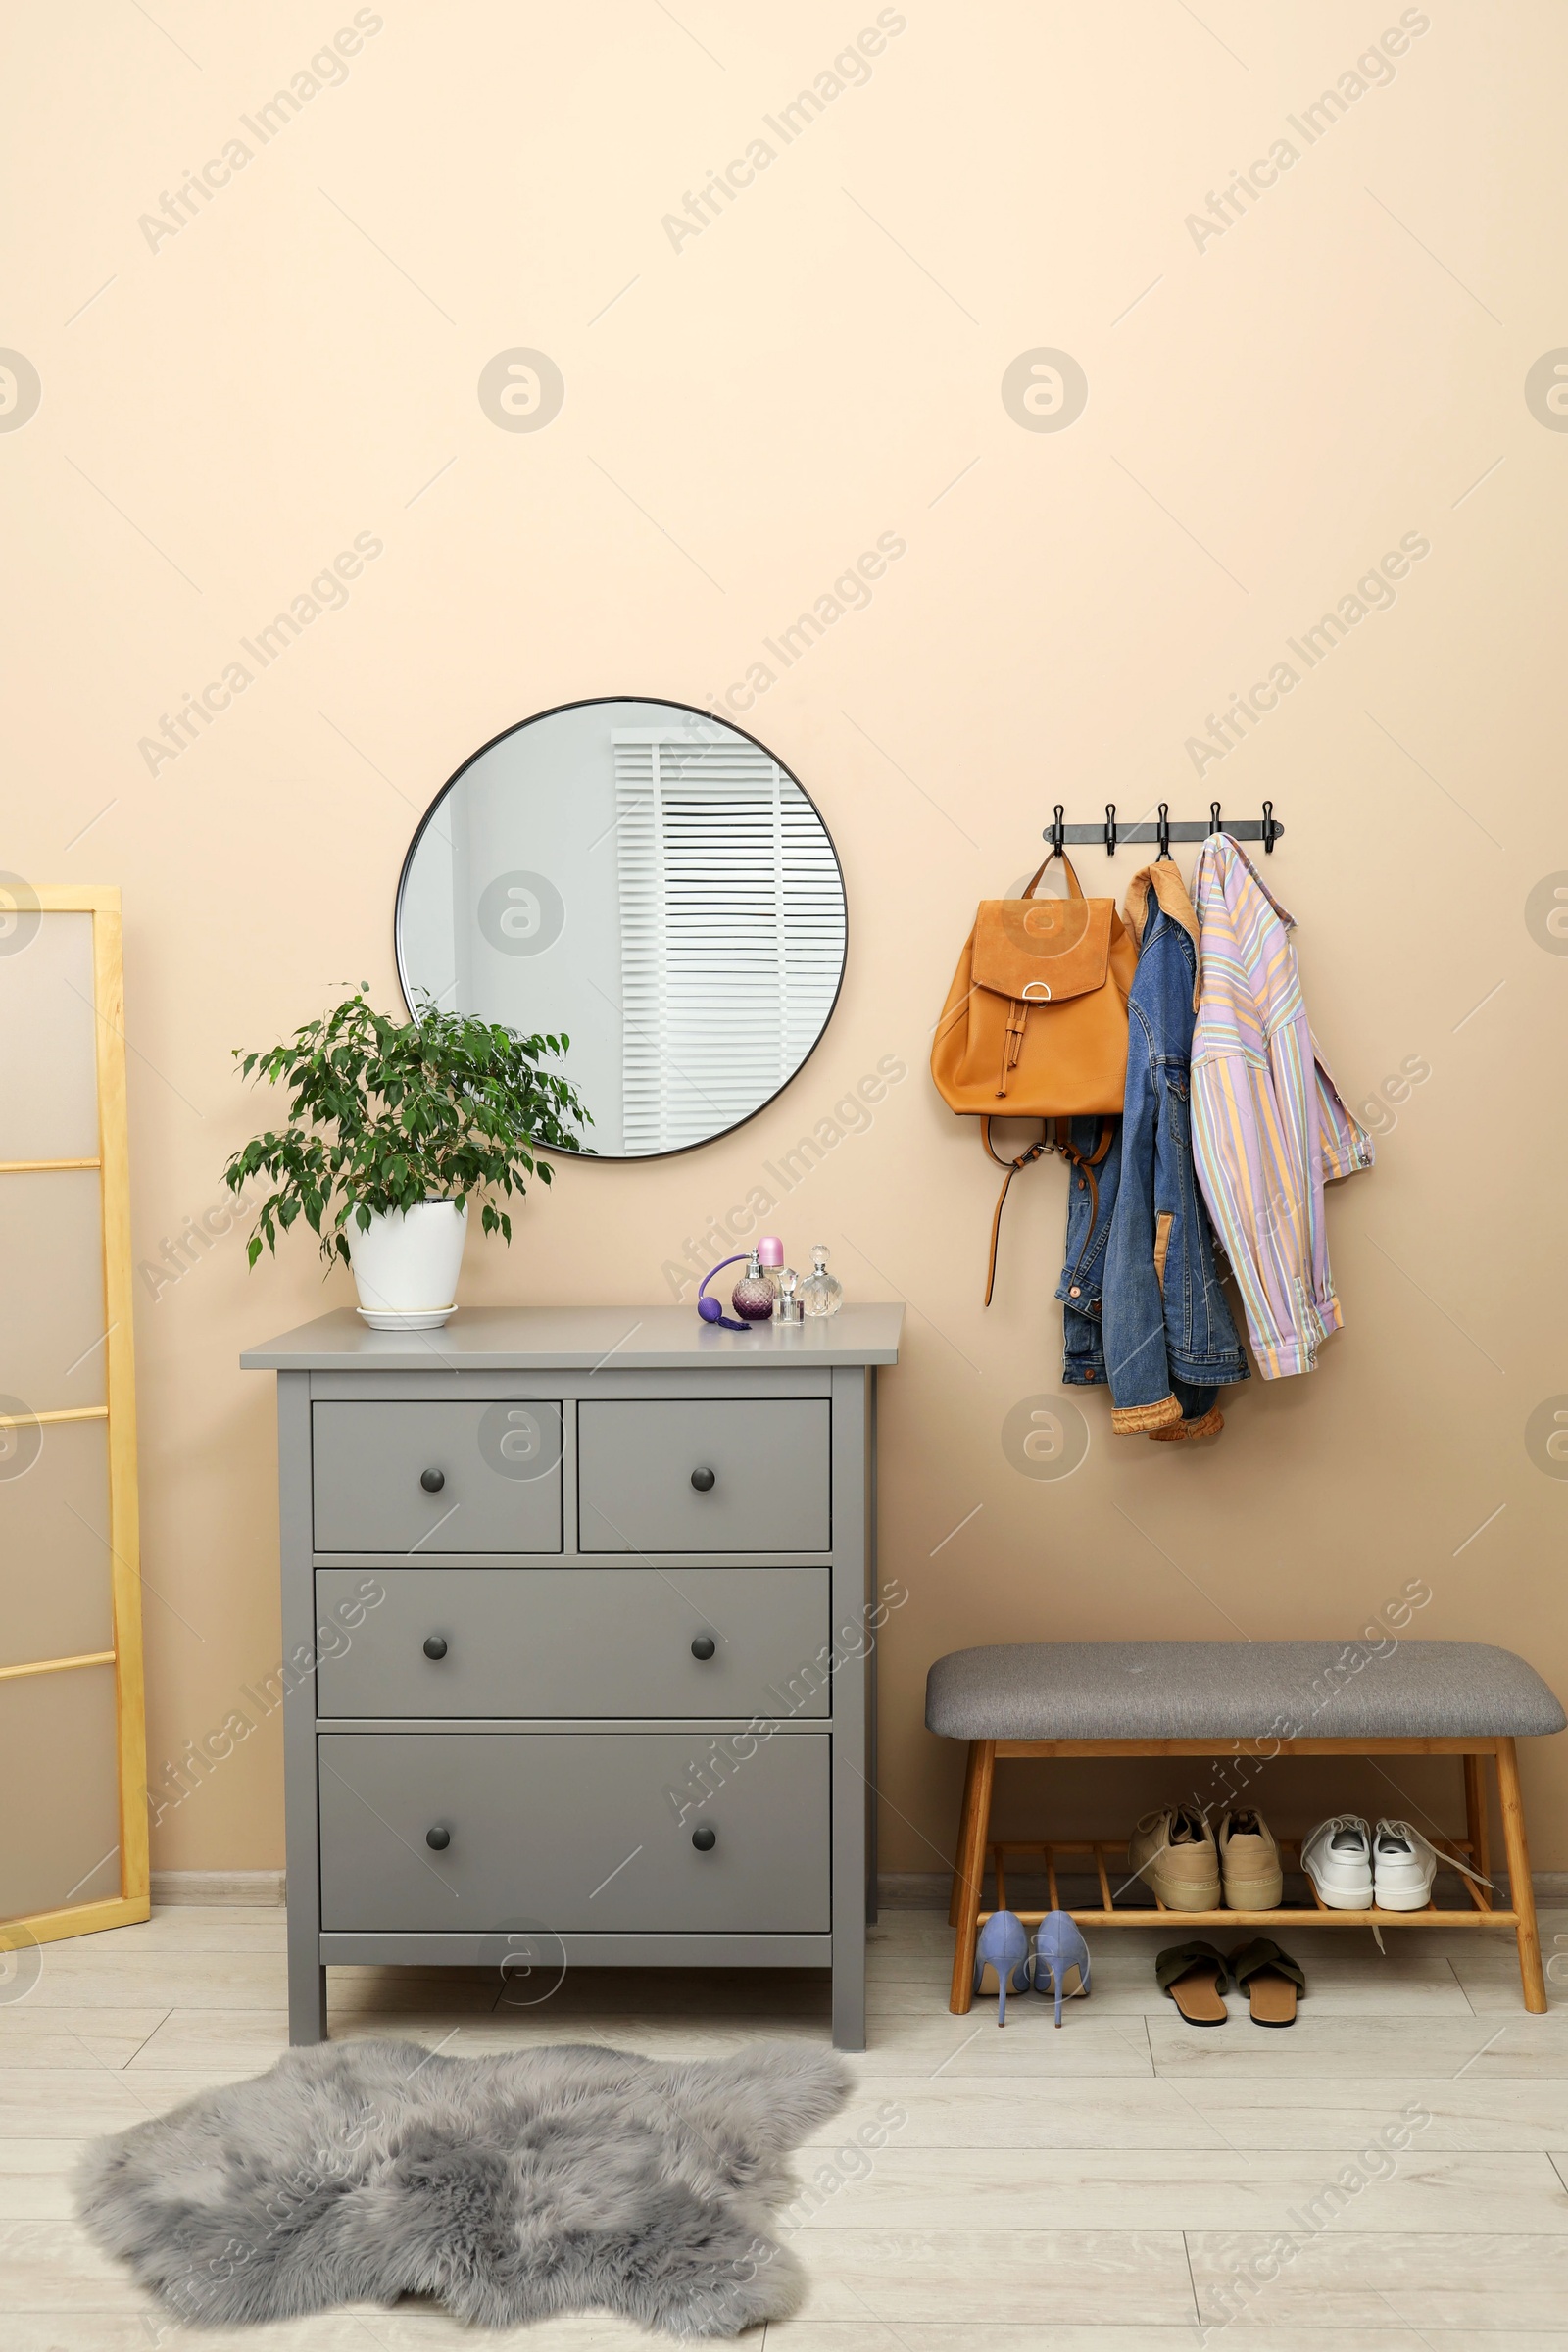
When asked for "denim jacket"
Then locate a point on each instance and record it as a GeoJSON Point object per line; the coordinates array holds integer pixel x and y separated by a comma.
{"type": "Point", "coordinates": [1140, 1296]}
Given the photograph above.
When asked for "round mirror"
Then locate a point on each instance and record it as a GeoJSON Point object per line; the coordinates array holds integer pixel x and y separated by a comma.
{"type": "Point", "coordinates": [652, 883]}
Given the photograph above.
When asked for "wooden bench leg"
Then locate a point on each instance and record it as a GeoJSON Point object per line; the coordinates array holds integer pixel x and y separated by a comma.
{"type": "Point", "coordinates": [1478, 1826]}
{"type": "Point", "coordinates": [971, 1870]}
{"type": "Point", "coordinates": [956, 1898]}
{"type": "Point", "coordinates": [1520, 1889]}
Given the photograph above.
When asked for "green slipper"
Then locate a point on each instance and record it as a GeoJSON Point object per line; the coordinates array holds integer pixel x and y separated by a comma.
{"type": "Point", "coordinates": [1195, 1975]}
{"type": "Point", "coordinates": [1270, 1979]}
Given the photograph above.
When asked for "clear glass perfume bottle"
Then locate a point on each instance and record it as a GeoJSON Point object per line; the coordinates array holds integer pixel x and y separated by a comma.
{"type": "Point", "coordinates": [754, 1293]}
{"type": "Point", "coordinates": [822, 1293]}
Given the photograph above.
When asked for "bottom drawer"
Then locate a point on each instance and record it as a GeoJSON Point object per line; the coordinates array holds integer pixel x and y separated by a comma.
{"type": "Point", "coordinates": [574, 1832]}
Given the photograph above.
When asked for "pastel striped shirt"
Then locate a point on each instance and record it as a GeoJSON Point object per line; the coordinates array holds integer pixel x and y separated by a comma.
{"type": "Point", "coordinates": [1268, 1123]}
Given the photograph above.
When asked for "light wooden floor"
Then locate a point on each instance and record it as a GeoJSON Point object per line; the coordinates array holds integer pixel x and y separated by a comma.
{"type": "Point", "coordinates": [1091, 2191]}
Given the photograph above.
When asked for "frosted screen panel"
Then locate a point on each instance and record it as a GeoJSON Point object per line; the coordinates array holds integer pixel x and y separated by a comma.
{"type": "Point", "coordinates": [54, 1542]}
{"type": "Point", "coordinates": [51, 1289]}
{"type": "Point", "coordinates": [48, 1047]}
{"type": "Point", "coordinates": [59, 1766]}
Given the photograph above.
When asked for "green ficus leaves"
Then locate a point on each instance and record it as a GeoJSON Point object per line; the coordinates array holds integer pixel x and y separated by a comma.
{"type": "Point", "coordinates": [383, 1114]}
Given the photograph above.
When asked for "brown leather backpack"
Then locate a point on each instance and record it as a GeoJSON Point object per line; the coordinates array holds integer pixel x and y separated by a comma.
{"type": "Point", "coordinates": [1035, 1025]}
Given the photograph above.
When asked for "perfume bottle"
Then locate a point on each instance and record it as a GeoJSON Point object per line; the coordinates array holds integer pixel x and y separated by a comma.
{"type": "Point", "coordinates": [787, 1308]}
{"type": "Point", "coordinates": [822, 1293]}
{"type": "Point", "coordinates": [754, 1293]}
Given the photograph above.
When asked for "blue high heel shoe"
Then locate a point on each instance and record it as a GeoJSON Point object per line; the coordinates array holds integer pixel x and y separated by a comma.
{"type": "Point", "coordinates": [1061, 1962]}
{"type": "Point", "coordinates": [1004, 1949]}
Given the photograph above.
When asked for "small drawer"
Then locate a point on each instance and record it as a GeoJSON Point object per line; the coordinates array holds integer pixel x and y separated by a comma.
{"type": "Point", "coordinates": [577, 1832]}
{"type": "Point", "coordinates": [742, 1475]}
{"type": "Point", "coordinates": [434, 1478]}
{"type": "Point", "coordinates": [612, 1642]}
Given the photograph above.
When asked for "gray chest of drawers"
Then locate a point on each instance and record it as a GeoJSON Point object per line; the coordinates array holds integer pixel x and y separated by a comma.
{"type": "Point", "coordinates": [579, 1617]}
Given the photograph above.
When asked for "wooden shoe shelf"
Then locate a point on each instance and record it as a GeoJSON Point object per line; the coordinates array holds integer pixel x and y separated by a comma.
{"type": "Point", "coordinates": [1480, 1908]}
{"type": "Point", "coordinates": [1481, 1912]}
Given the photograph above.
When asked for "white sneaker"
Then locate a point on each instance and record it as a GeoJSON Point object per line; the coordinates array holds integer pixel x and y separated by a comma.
{"type": "Point", "coordinates": [1338, 1859]}
{"type": "Point", "coordinates": [1404, 1865]}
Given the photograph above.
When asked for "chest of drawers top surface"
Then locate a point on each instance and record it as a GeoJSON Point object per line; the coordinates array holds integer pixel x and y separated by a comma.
{"type": "Point", "coordinates": [632, 1339]}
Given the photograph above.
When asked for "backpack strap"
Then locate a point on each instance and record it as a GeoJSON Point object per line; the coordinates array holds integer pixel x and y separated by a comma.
{"type": "Point", "coordinates": [1012, 1167]}
{"type": "Point", "coordinates": [1074, 888]}
{"type": "Point", "coordinates": [1048, 1142]}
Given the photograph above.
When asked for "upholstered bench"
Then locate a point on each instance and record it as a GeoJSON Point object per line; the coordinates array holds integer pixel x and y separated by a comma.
{"type": "Point", "coordinates": [1251, 1700]}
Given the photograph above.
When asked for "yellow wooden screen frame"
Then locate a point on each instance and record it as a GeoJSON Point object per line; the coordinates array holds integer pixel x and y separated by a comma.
{"type": "Point", "coordinates": [102, 902]}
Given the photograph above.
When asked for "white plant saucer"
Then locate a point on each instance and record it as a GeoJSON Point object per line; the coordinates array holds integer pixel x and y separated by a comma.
{"type": "Point", "coordinates": [411, 1318]}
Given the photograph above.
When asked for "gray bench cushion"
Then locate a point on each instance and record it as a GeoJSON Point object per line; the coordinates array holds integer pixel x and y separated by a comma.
{"type": "Point", "coordinates": [1237, 1690]}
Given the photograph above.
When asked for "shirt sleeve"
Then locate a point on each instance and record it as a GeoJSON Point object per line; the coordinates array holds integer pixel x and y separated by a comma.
{"type": "Point", "coordinates": [1346, 1145]}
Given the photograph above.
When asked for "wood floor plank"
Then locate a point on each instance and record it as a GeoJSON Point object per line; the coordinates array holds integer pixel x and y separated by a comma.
{"type": "Point", "coordinates": [51, 2267]}
{"type": "Point", "coordinates": [71, 2040]}
{"type": "Point", "coordinates": [1504, 2283]}
{"type": "Point", "coordinates": [1492, 2048]}
{"type": "Point", "coordinates": [1521, 2116]}
{"type": "Point", "coordinates": [35, 2179]}
{"type": "Point", "coordinates": [75, 1975]}
{"type": "Point", "coordinates": [209, 1928]}
{"type": "Point", "coordinates": [1076, 2277]}
{"type": "Point", "coordinates": [1093, 2189]}
{"type": "Point", "coordinates": [1472, 2113]}
{"type": "Point", "coordinates": [809, 2334]}
{"type": "Point", "coordinates": [99, 1972]}
{"type": "Point", "coordinates": [41, 2103]}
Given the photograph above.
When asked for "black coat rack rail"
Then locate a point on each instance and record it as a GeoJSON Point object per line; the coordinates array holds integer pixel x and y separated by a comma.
{"type": "Point", "coordinates": [1268, 829]}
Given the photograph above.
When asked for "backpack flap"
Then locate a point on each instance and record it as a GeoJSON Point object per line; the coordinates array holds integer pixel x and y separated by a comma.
{"type": "Point", "coordinates": [1042, 950]}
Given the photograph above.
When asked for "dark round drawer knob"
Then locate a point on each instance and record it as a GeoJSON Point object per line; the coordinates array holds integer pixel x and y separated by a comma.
{"type": "Point", "coordinates": [438, 1838]}
{"type": "Point", "coordinates": [704, 1646]}
{"type": "Point", "coordinates": [702, 1479]}
{"type": "Point", "coordinates": [432, 1481]}
{"type": "Point", "coordinates": [435, 1647]}
{"type": "Point", "coordinates": [704, 1839]}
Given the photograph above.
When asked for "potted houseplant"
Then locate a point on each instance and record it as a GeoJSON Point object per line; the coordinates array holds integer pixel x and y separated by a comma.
{"type": "Point", "coordinates": [393, 1126]}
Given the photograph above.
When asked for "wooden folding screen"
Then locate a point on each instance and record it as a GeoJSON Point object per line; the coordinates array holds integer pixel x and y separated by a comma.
{"type": "Point", "coordinates": [73, 1761]}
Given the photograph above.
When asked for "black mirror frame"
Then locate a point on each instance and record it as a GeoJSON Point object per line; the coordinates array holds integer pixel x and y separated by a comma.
{"type": "Point", "coordinates": [633, 1159]}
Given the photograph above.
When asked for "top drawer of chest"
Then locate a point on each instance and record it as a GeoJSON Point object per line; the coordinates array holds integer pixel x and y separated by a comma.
{"type": "Point", "coordinates": [428, 1478]}
{"type": "Point", "coordinates": [693, 1475]}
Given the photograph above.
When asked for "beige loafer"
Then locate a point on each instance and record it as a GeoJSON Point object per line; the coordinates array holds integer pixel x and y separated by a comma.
{"type": "Point", "coordinates": [1250, 1861]}
{"type": "Point", "coordinates": [1173, 1852]}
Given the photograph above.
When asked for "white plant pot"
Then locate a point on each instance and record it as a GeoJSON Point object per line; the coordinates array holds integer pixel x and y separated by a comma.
{"type": "Point", "coordinates": [405, 1266]}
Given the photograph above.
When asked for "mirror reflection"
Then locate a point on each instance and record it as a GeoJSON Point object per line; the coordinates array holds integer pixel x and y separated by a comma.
{"type": "Point", "coordinates": [653, 883]}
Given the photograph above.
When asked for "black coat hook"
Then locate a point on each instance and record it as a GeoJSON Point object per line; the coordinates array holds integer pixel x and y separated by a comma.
{"type": "Point", "coordinates": [1059, 831]}
{"type": "Point", "coordinates": [1268, 829]}
{"type": "Point", "coordinates": [1110, 828]}
{"type": "Point", "coordinates": [1164, 830]}
{"type": "Point", "coordinates": [1215, 824]}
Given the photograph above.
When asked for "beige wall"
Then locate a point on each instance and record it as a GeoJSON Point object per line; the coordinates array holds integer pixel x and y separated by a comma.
{"type": "Point", "coordinates": [1343, 365]}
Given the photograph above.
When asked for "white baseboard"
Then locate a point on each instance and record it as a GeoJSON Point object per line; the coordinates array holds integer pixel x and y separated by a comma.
{"type": "Point", "coordinates": [218, 1887]}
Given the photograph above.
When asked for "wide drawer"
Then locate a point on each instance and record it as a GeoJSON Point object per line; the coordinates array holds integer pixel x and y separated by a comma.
{"type": "Point", "coordinates": [688, 1475]}
{"type": "Point", "coordinates": [574, 1832]}
{"type": "Point", "coordinates": [434, 1478]}
{"type": "Point", "coordinates": [611, 1642]}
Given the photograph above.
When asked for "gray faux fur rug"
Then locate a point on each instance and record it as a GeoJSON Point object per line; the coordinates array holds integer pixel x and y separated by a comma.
{"type": "Point", "coordinates": [510, 2188]}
